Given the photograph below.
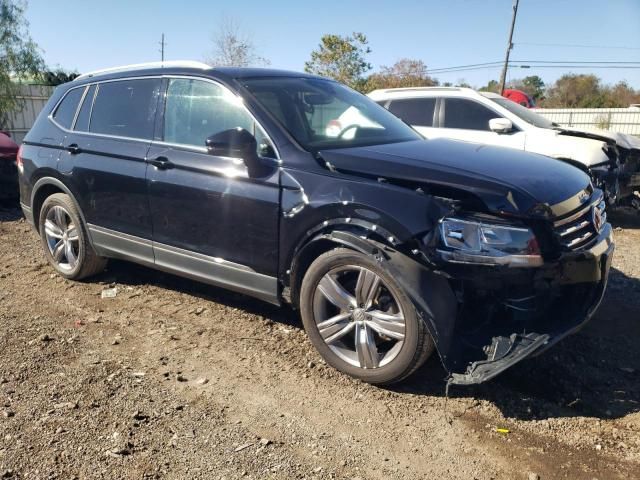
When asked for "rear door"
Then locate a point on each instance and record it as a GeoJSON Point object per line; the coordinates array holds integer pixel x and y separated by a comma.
{"type": "Point", "coordinates": [105, 158]}
{"type": "Point", "coordinates": [466, 119]}
{"type": "Point", "coordinates": [211, 219]}
{"type": "Point", "coordinates": [417, 112]}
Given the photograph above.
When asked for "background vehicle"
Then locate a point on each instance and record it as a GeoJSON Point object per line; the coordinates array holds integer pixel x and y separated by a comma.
{"type": "Point", "coordinates": [612, 159]}
{"type": "Point", "coordinates": [520, 97]}
{"type": "Point", "coordinates": [390, 246]}
{"type": "Point", "coordinates": [8, 170]}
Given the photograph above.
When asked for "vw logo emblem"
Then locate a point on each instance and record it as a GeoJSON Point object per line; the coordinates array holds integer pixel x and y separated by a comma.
{"type": "Point", "coordinates": [597, 218]}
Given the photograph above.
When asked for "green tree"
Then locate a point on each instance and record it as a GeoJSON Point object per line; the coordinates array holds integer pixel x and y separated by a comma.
{"type": "Point", "coordinates": [19, 55]}
{"type": "Point", "coordinates": [404, 73]}
{"type": "Point", "coordinates": [491, 86]}
{"type": "Point", "coordinates": [58, 77]}
{"type": "Point", "coordinates": [341, 58]}
{"type": "Point", "coordinates": [532, 85]}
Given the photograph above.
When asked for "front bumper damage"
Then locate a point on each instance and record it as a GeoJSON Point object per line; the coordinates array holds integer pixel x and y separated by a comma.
{"type": "Point", "coordinates": [485, 319]}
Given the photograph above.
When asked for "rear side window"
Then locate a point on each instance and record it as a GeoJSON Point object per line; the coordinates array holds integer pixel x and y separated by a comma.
{"type": "Point", "coordinates": [467, 114]}
{"type": "Point", "coordinates": [196, 109]}
{"type": "Point", "coordinates": [126, 108]}
{"type": "Point", "coordinates": [66, 111]}
{"type": "Point", "coordinates": [414, 111]}
{"type": "Point", "coordinates": [82, 122]}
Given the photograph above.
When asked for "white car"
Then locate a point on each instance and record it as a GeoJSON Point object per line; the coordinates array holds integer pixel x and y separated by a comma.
{"type": "Point", "coordinates": [612, 159]}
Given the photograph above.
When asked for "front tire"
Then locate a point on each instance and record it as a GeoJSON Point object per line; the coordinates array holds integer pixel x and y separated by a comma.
{"type": "Point", "coordinates": [65, 239]}
{"type": "Point", "coordinates": [360, 320]}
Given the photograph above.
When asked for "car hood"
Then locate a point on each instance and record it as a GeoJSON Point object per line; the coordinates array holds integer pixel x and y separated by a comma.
{"type": "Point", "coordinates": [505, 180]}
{"type": "Point", "coordinates": [621, 139]}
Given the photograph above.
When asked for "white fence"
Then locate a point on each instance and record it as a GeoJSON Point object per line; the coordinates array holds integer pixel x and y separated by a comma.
{"type": "Point", "coordinates": [33, 99]}
{"type": "Point", "coordinates": [623, 120]}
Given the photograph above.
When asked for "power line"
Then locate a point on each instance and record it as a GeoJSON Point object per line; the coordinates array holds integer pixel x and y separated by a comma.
{"type": "Point", "coordinates": [611, 47]}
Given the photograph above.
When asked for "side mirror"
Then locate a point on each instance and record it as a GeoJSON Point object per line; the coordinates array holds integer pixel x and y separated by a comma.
{"type": "Point", "coordinates": [235, 143]}
{"type": "Point", "coordinates": [500, 125]}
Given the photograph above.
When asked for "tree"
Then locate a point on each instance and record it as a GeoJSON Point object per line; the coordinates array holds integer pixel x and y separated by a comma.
{"type": "Point", "coordinates": [622, 95]}
{"type": "Point", "coordinates": [341, 58]}
{"type": "Point", "coordinates": [531, 85]}
{"type": "Point", "coordinates": [491, 86]}
{"type": "Point", "coordinates": [232, 48]}
{"type": "Point", "coordinates": [19, 55]}
{"type": "Point", "coordinates": [577, 91]}
{"type": "Point", "coordinates": [58, 77]}
{"type": "Point", "coordinates": [405, 72]}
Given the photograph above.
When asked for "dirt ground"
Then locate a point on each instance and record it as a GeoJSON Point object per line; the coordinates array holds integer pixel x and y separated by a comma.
{"type": "Point", "coordinates": [173, 379]}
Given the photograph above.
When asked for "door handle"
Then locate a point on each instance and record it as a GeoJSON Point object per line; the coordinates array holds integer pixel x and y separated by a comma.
{"type": "Point", "coordinates": [73, 149]}
{"type": "Point", "coordinates": [161, 163]}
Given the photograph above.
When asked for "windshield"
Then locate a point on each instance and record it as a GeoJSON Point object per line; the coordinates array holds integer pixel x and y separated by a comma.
{"type": "Point", "coordinates": [523, 112]}
{"type": "Point", "coordinates": [322, 114]}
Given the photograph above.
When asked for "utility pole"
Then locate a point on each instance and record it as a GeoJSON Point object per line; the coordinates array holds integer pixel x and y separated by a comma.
{"type": "Point", "coordinates": [162, 44]}
{"type": "Point", "coordinates": [503, 77]}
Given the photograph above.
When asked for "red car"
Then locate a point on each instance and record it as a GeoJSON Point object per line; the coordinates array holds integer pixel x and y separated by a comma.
{"type": "Point", "coordinates": [8, 169]}
{"type": "Point", "coordinates": [520, 97]}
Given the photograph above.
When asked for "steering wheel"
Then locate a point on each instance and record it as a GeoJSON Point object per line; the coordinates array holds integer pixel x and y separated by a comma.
{"type": "Point", "coordinates": [346, 129]}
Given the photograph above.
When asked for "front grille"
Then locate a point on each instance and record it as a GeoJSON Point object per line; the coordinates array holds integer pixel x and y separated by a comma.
{"type": "Point", "coordinates": [580, 229]}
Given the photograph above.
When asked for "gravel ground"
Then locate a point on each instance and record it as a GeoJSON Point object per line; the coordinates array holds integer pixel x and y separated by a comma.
{"type": "Point", "coordinates": [173, 379]}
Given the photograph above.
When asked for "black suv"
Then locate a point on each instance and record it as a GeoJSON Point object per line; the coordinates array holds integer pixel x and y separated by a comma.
{"type": "Point", "coordinates": [390, 246]}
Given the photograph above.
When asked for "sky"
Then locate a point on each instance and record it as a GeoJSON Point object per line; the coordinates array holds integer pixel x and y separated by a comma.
{"type": "Point", "coordinates": [86, 35]}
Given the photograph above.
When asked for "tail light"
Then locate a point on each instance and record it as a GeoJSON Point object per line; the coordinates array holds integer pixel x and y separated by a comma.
{"type": "Point", "coordinates": [19, 163]}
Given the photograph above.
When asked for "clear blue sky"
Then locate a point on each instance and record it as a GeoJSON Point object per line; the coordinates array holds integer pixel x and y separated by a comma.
{"type": "Point", "coordinates": [86, 35]}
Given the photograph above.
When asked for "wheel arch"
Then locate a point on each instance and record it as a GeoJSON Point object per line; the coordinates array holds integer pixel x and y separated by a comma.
{"type": "Point", "coordinates": [43, 189]}
{"type": "Point", "coordinates": [360, 236]}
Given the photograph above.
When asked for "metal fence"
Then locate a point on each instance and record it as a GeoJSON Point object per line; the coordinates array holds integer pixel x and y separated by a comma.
{"type": "Point", "coordinates": [33, 99]}
{"type": "Point", "coordinates": [623, 120]}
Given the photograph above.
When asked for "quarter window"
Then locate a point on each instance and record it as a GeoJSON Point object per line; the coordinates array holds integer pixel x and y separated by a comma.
{"type": "Point", "coordinates": [467, 114]}
{"type": "Point", "coordinates": [414, 111]}
{"type": "Point", "coordinates": [196, 110]}
{"type": "Point", "coordinates": [66, 111]}
{"type": "Point", "coordinates": [126, 108]}
{"type": "Point", "coordinates": [82, 123]}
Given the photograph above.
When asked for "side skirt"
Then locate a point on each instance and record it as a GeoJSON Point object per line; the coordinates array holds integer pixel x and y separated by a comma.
{"type": "Point", "coordinates": [185, 263]}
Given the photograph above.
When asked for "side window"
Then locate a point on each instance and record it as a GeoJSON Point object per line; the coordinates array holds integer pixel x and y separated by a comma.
{"type": "Point", "coordinates": [467, 114]}
{"type": "Point", "coordinates": [196, 109]}
{"type": "Point", "coordinates": [66, 111]}
{"type": "Point", "coordinates": [82, 122]}
{"type": "Point", "coordinates": [126, 108]}
{"type": "Point", "coordinates": [414, 111]}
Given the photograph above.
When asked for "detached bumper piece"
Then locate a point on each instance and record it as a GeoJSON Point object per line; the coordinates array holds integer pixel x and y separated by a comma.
{"type": "Point", "coordinates": [501, 354]}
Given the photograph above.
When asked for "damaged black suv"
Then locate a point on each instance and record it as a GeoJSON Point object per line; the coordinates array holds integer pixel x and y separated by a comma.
{"type": "Point", "coordinates": [391, 247]}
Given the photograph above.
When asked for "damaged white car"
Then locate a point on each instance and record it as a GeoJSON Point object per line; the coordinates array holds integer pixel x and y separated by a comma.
{"type": "Point", "coordinates": [612, 159]}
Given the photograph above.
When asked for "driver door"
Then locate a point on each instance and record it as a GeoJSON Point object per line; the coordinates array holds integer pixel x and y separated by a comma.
{"type": "Point", "coordinates": [211, 219]}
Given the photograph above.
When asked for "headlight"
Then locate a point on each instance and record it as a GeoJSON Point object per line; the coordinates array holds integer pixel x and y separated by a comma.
{"type": "Point", "coordinates": [474, 241]}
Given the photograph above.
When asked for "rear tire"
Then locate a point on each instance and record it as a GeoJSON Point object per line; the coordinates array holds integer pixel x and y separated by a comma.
{"type": "Point", "coordinates": [65, 239]}
{"type": "Point", "coordinates": [363, 324]}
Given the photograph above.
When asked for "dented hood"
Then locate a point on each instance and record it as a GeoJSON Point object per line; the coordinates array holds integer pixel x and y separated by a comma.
{"type": "Point", "coordinates": [506, 180]}
{"type": "Point", "coordinates": [621, 139]}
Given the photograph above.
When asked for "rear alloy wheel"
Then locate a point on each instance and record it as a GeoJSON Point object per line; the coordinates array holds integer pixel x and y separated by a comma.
{"type": "Point", "coordinates": [65, 239]}
{"type": "Point", "coordinates": [360, 320]}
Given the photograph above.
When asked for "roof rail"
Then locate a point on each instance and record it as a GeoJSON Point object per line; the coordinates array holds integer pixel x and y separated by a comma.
{"type": "Point", "coordinates": [140, 66]}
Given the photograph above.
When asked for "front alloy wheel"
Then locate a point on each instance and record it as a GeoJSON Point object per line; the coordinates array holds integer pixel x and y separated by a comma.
{"type": "Point", "coordinates": [360, 320]}
{"type": "Point", "coordinates": [358, 317]}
